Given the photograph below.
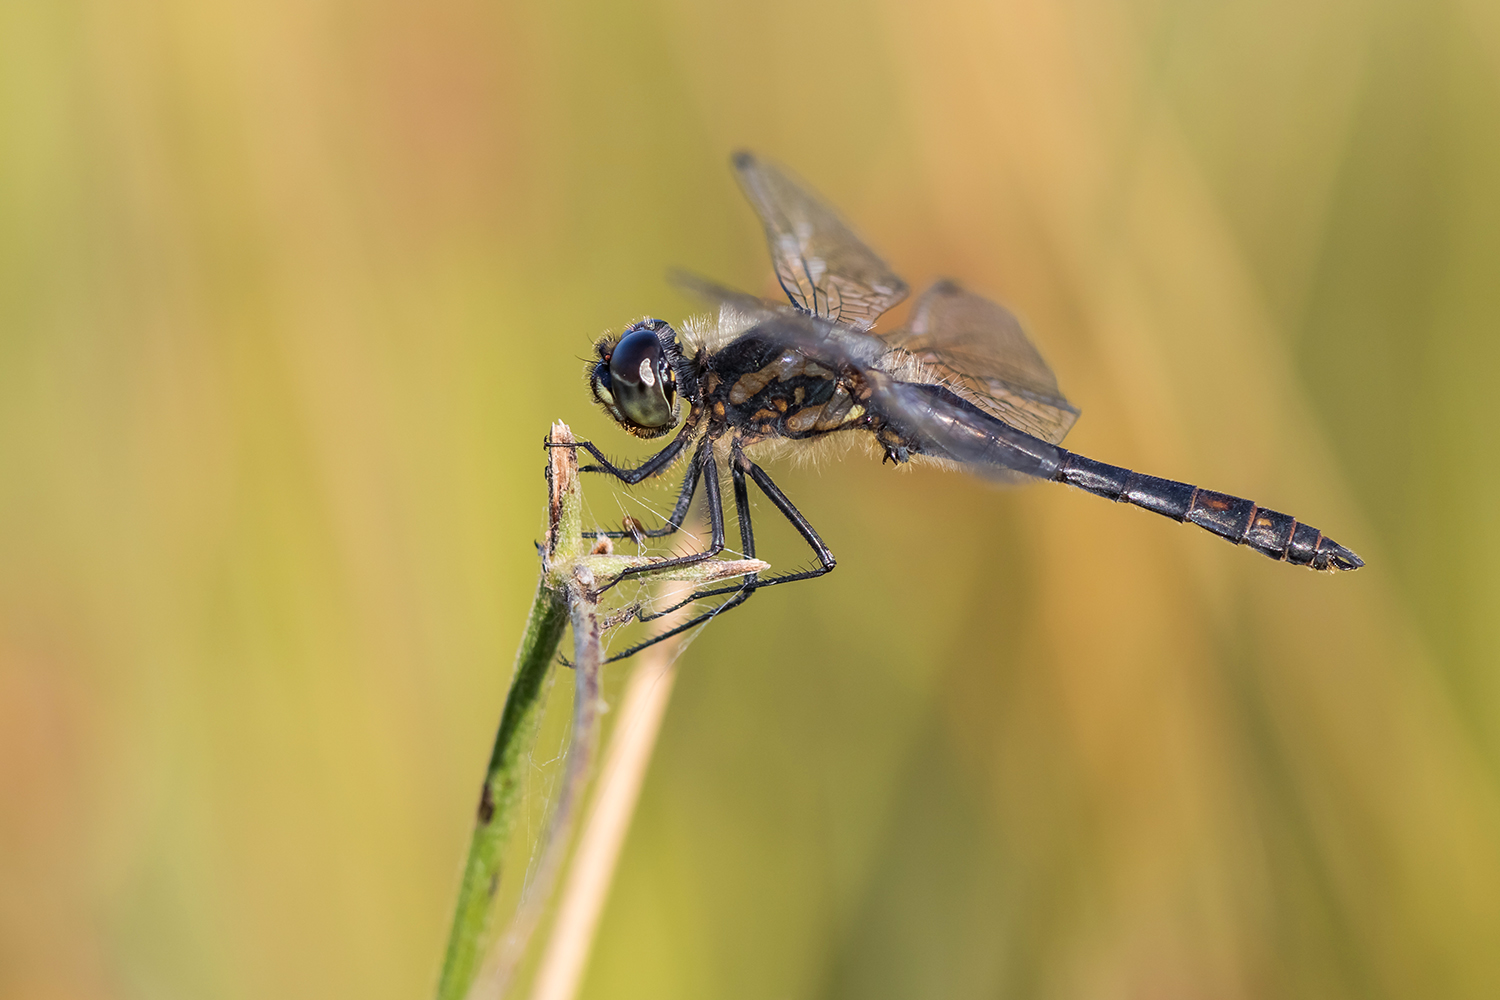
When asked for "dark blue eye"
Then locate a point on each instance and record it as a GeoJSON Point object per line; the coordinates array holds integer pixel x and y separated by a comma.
{"type": "Point", "coordinates": [626, 363]}
{"type": "Point", "coordinates": [640, 380]}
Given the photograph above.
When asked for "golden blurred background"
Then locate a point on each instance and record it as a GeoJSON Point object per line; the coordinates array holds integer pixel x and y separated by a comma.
{"type": "Point", "coordinates": [291, 291]}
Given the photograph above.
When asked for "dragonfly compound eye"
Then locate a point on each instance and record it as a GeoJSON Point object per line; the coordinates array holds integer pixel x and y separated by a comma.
{"type": "Point", "coordinates": [641, 383]}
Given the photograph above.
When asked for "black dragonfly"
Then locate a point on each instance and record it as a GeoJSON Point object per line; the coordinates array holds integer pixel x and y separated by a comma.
{"type": "Point", "coordinates": [960, 384]}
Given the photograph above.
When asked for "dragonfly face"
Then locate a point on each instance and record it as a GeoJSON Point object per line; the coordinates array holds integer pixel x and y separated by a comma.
{"type": "Point", "coordinates": [960, 383]}
{"type": "Point", "coordinates": [635, 378]}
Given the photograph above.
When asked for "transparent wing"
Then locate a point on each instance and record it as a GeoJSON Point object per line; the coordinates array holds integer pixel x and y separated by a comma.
{"type": "Point", "coordinates": [823, 267]}
{"type": "Point", "coordinates": [813, 336]}
{"type": "Point", "coordinates": [977, 348]}
{"type": "Point", "coordinates": [925, 419]}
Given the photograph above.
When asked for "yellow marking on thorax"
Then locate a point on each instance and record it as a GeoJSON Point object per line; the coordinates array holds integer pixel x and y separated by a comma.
{"type": "Point", "coordinates": [852, 416]}
{"type": "Point", "coordinates": [750, 384]}
{"type": "Point", "coordinates": [805, 419]}
{"type": "Point", "coordinates": [788, 366]}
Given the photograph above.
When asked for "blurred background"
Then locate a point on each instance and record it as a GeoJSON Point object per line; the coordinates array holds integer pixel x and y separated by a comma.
{"type": "Point", "coordinates": [291, 291]}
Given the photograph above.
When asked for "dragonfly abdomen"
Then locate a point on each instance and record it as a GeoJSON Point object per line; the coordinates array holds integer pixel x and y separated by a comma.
{"type": "Point", "coordinates": [1271, 533]}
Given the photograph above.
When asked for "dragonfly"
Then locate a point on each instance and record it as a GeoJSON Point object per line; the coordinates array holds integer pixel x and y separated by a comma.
{"type": "Point", "coordinates": [960, 384]}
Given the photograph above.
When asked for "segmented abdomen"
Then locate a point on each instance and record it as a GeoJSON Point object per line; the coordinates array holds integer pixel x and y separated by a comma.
{"type": "Point", "coordinates": [1236, 519]}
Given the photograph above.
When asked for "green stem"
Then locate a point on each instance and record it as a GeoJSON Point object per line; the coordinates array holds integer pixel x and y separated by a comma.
{"type": "Point", "coordinates": [588, 654]}
{"type": "Point", "coordinates": [568, 576]}
{"type": "Point", "coordinates": [472, 932]}
{"type": "Point", "coordinates": [474, 929]}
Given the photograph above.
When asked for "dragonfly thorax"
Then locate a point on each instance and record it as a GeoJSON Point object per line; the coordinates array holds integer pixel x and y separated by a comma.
{"type": "Point", "coordinates": [762, 389]}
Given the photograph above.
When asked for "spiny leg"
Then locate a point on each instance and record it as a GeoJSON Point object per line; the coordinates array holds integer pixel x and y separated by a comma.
{"type": "Point", "coordinates": [650, 467]}
{"type": "Point", "coordinates": [742, 506]}
{"type": "Point", "coordinates": [741, 592]}
{"type": "Point", "coordinates": [826, 562]}
{"type": "Point", "coordinates": [715, 520]}
{"type": "Point", "coordinates": [679, 512]}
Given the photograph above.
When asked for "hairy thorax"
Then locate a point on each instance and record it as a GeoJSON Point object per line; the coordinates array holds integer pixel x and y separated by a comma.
{"type": "Point", "coordinates": [762, 390]}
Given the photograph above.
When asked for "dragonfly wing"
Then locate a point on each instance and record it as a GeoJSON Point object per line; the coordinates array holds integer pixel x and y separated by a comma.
{"type": "Point", "coordinates": [924, 417]}
{"type": "Point", "coordinates": [823, 267]}
{"type": "Point", "coordinates": [710, 292]}
{"type": "Point", "coordinates": [978, 349]}
{"type": "Point", "coordinates": [818, 338]}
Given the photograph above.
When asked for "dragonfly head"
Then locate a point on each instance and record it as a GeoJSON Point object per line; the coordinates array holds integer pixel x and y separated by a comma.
{"type": "Point", "coordinates": [635, 377]}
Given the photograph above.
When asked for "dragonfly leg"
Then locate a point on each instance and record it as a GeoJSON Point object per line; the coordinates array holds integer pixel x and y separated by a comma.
{"type": "Point", "coordinates": [652, 466]}
{"type": "Point", "coordinates": [634, 529]}
{"type": "Point", "coordinates": [710, 475]}
{"type": "Point", "coordinates": [826, 562]}
{"type": "Point", "coordinates": [741, 591]}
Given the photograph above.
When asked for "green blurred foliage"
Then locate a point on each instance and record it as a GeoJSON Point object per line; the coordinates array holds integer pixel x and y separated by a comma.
{"type": "Point", "coordinates": [290, 292]}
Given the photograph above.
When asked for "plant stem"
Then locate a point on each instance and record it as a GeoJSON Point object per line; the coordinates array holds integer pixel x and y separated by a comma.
{"type": "Point", "coordinates": [499, 970]}
{"type": "Point", "coordinates": [592, 869]}
{"type": "Point", "coordinates": [473, 932]}
{"type": "Point", "coordinates": [473, 964]}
